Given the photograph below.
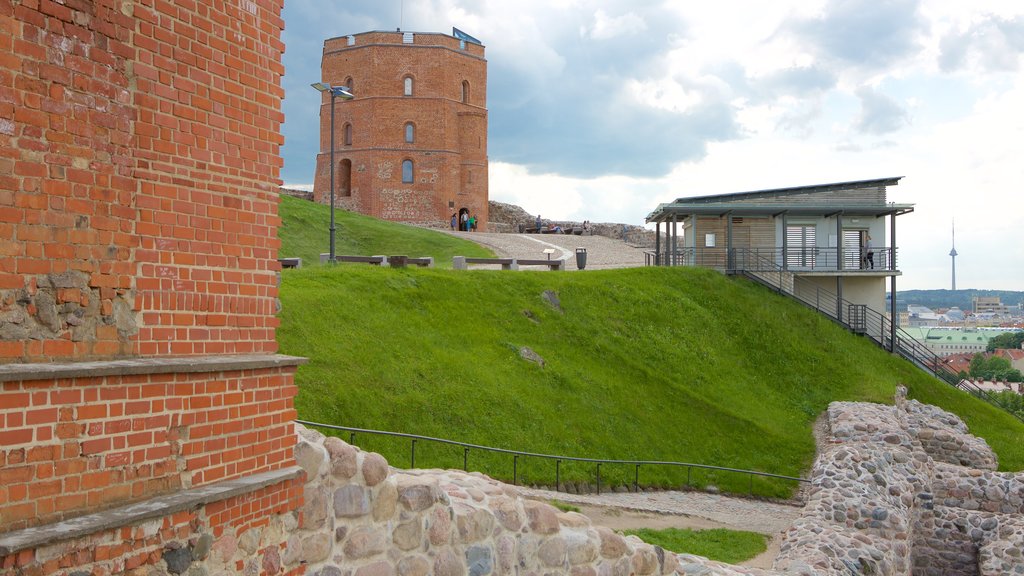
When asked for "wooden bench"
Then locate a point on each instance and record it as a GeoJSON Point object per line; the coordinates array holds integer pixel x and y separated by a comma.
{"type": "Point", "coordinates": [290, 262]}
{"type": "Point", "coordinates": [552, 264]}
{"type": "Point", "coordinates": [424, 262]}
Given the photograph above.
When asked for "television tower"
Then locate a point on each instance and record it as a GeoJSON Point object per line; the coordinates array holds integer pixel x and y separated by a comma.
{"type": "Point", "coordinates": [952, 254]}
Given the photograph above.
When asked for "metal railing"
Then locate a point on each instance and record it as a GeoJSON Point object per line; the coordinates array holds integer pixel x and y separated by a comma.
{"type": "Point", "coordinates": [797, 258]}
{"type": "Point", "coordinates": [516, 454]}
{"type": "Point", "coordinates": [863, 320]}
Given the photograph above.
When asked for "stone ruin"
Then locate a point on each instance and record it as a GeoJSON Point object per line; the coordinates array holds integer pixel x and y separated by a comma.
{"type": "Point", "coordinates": [896, 490]}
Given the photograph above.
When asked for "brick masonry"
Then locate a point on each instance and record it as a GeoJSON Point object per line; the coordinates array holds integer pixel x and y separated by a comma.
{"type": "Point", "coordinates": [139, 175]}
{"type": "Point", "coordinates": [447, 112]}
{"type": "Point", "coordinates": [139, 161]}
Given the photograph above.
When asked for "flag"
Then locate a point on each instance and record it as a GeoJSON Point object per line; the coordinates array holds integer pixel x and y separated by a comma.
{"type": "Point", "coordinates": [463, 36]}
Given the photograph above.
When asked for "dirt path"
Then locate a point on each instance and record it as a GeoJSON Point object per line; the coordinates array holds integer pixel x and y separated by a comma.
{"type": "Point", "coordinates": [692, 510]}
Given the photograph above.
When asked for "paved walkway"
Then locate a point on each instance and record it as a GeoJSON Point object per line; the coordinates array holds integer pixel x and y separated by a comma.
{"type": "Point", "coordinates": [602, 252]}
{"type": "Point", "coordinates": [739, 513]}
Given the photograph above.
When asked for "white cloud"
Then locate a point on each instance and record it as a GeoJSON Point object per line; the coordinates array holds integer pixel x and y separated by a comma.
{"type": "Point", "coordinates": [605, 27]}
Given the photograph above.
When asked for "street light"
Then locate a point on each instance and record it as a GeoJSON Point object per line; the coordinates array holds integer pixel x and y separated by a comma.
{"type": "Point", "coordinates": [335, 91]}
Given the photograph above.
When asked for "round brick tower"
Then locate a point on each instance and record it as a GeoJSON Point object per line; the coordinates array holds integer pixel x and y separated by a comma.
{"type": "Point", "coordinates": [412, 145]}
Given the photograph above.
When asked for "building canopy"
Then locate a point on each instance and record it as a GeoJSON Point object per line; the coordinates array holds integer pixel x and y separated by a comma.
{"type": "Point", "coordinates": [856, 198]}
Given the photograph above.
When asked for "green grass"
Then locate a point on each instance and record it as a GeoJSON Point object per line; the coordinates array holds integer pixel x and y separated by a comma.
{"type": "Point", "coordinates": [305, 226]}
{"type": "Point", "coordinates": [654, 363]}
{"type": "Point", "coordinates": [565, 506]}
{"type": "Point", "coordinates": [729, 546]}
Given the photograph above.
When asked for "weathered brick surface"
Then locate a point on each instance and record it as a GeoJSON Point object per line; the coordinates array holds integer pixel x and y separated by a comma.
{"type": "Point", "coordinates": [210, 536]}
{"type": "Point", "coordinates": [91, 443]}
{"type": "Point", "coordinates": [139, 160]}
{"type": "Point", "coordinates": [449, 152]}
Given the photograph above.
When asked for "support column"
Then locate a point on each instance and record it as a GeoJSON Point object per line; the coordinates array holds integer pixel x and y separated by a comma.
{"type": "Point", "coordinates": [657, 243]}
{"type": "Point", "coordinates": [839, 298]}
{"type": "Point", "coordinates": [892, 283]}
{"type": "Point", "coordinates": [730, 263]}
{"type": "Point", "coordinates": [675, 240]}
{"type": "Point", "coordinates": [839, 241]}
{"type": "Point", "coordinates": [785, 242]}
{"type": "Point", "coordinates": [693, 230]}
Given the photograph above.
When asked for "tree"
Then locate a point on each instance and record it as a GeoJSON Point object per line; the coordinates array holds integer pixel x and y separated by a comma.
{"type": "Point", "coordinates": [1006, 340]}
{"type": "Point", "coordinates": [977, 365]}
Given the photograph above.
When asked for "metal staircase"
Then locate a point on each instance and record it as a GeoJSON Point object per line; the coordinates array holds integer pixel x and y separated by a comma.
{"type": "Point", "coordinates": [858, 318]}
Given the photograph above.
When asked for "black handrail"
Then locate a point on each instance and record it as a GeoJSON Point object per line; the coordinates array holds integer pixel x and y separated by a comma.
{"type": "Point", "coordinates": [558, 459]}
{"type": "Point", "coordinates": [838, 309]}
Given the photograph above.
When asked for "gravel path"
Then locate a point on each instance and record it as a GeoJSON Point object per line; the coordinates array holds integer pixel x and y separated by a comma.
{"type": "Point", "coordinates": [737, 513]}
{"type": "Point", "coordinates": [602, 252]}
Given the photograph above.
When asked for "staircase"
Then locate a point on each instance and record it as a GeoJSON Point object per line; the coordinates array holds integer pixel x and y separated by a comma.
{"type": "Point", "coordinates": [858, 318]}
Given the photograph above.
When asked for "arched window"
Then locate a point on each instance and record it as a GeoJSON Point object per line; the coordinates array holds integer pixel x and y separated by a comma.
{"type": "Point", "coordinates": [410, 133]}
{"type": "Point", "coordinates": [350, 84]}
{"type": "Point", "coordinates": [408, 85]}
{"type": "Point", "coordinates": [407, 171]}
{"type": "Point", "coordinates": [465, 91]}
{"type": "Point", "coordinates": [347, 134]}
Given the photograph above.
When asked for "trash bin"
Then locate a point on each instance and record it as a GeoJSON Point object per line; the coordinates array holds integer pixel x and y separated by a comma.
{"type": "Point", "coordinates": [581, 258]}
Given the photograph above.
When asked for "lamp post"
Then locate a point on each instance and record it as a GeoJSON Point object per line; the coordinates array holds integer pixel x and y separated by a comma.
{"type": "Point", "coordinates": [335, 92]}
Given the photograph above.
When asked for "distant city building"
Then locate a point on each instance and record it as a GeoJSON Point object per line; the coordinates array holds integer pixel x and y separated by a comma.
{"type": "Point", "coordinates": [990, 305]}
{"type": "Point", "coordinates": [412, 145]}
{"type": "Point", "coordinates": [946, 341]}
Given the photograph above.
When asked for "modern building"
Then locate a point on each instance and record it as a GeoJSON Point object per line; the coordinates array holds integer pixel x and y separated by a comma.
{"type": "Point", "coordinates": [412, 145]}
{"type": "Point", "coordinates": [836, 239]}
{"type": "Point", "coordinates": [990, 305]}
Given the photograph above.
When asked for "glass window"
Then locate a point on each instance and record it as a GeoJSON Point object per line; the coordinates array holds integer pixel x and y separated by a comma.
{"type": "Point", "coordinates": [410, 132]}
{"type": "Point", "coordinates": [348, 134]}
{"type": "Point", "coordinates": [407, 171]}
{"type": "Point", "coordinates": [408, 85]}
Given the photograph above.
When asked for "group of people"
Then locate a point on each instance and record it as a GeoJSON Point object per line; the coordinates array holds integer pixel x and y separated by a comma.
{"type": "Point", "coordinates": [539, 224]}
{"type": "Point", "coordinates": [464, 221]}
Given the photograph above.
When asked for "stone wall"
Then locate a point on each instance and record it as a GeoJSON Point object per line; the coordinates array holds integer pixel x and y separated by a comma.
{"type": "Point", "coordinates": [906, 490]}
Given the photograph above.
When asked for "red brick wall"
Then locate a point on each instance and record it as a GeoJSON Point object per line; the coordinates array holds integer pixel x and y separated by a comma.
{"type": "Point", "coordinates": [139, 160]}
{"type": "Point", "coordinates": [450, 135]}
{"type": "Point", "coordinates": [121, 550]}
{"type": "Point", "coordinates": [89, 443]}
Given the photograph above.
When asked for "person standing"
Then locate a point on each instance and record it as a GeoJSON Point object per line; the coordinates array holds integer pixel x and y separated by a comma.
{"type": "Point", "coordinates": [539, 224]}
{"type": "Point", "coordinates": [472, 224]}
{"type": "Point", "coordinates": [464, 222]}
{"type": "Point", "coordinates": [454, 220]}
{"type": "Point", "coordinates": [870, 256]}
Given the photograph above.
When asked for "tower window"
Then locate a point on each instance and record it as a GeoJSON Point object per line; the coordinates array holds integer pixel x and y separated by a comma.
{"type": "Point", "coordinates": [465, 91]}
{"type": "Point", "coordinates": [408, 85]}
{"type": "Point", "coordinates": [347, 134]}
{"type": "Point", "coordinates": [350, 84]}
{"type": "Point", "coordinates": [407, 171]}
{"type": "Point", "coordinates": [410, 132]}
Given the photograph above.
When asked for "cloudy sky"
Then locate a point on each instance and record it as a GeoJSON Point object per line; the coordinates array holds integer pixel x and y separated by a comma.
{"type": "Point", "coordinates": [601, 110]}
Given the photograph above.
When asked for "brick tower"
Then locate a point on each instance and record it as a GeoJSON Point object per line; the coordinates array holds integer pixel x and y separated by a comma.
{"type": "Point", "coordinates": [412, 145]}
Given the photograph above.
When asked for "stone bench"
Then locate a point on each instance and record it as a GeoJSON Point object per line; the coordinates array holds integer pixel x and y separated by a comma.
{"type": "Point", "coordinates": [375, 260]}
{"type": "Point", "coordinates": [462, 262]}
{"type": "Point", "coordinates": [552, 264]}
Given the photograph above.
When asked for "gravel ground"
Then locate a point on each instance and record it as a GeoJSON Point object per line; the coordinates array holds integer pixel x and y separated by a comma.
{"type": "Point", "coordinates": [602, 252]}
{"type": "Point", "coordinates": [737, 513]}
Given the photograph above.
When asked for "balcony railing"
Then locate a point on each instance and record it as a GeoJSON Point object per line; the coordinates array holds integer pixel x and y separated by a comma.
{"type": "Point", "coordinates": [795, 259]}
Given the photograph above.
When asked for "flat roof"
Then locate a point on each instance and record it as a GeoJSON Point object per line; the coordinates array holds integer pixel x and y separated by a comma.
{"type": "Point", "coordinates": [747, 203]}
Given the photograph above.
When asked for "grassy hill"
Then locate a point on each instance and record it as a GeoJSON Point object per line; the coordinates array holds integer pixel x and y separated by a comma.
{"type": "Point", "coordinates": [658, 364]}
{"type": "Point", "coordinates": [305, 226]}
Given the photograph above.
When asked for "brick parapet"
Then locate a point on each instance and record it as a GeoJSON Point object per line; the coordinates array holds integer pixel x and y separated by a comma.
{"type": "Point", "coordinates": [73, 444]}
